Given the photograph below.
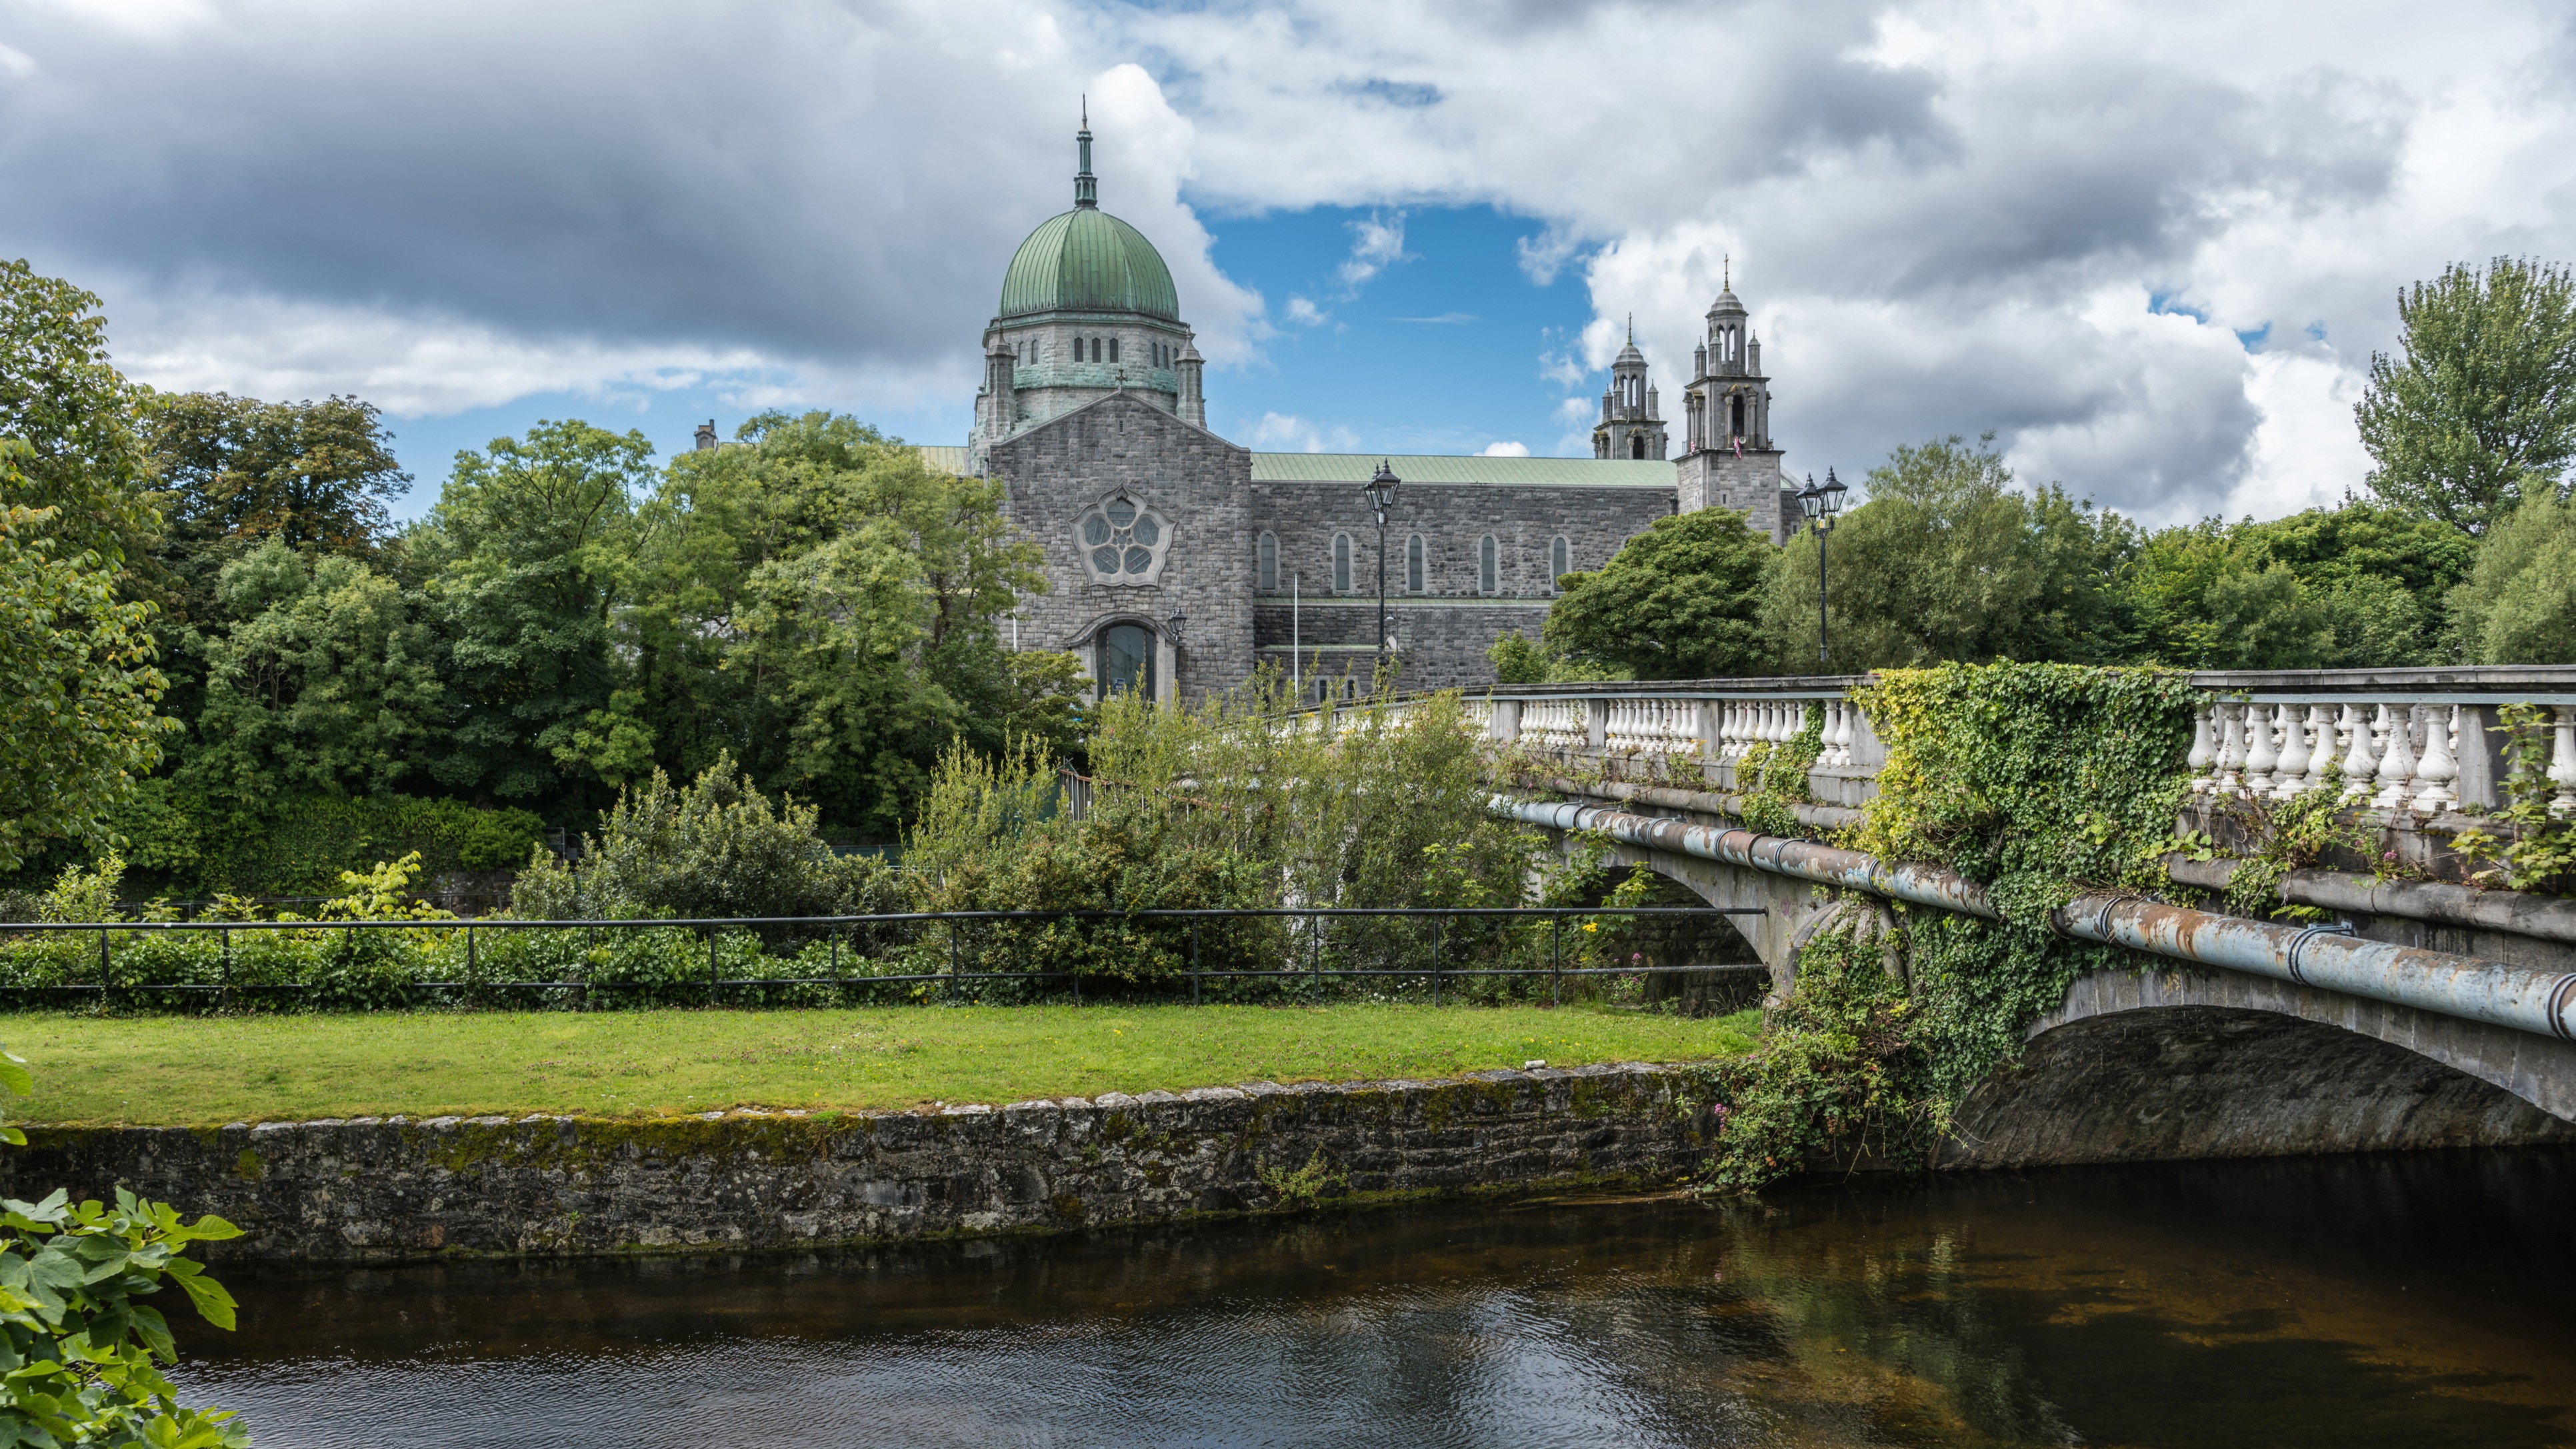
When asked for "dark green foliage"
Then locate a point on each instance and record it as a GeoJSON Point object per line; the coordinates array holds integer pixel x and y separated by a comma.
{"type": "Point", "coordinates": [234, 471]}
{"type": "Point", "coordinates": [1949, 561]}
{"type": "Point", "coordinates": [526, 557]}
{"type": "Point", "coordinates": [2480, 407]}
{"type": "Point", "coordinates": [2356, 587]}
{"type": "Point", "coordinates": [1682, 601]}
{"type": "Point", "coordinates": [2519, 605]}
{"type": "Point", "coordinates": [714, 847]}
{"type": "Point", "coordinates": [300, 845]}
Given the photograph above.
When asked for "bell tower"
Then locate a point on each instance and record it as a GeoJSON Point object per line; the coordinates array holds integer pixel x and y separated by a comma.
{"type": "Point", "coordinates": [1631, 423]}
{"type": "Point", "coordinates": [1728, 460]}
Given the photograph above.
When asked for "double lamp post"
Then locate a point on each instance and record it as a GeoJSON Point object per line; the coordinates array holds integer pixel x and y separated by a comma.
{"type": "Point", "coordinates": [1820, 505]}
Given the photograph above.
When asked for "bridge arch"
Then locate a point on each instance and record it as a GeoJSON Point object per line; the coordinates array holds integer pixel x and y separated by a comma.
{"type": "Point", "coordinates": [1790, 906]}
{"type": "Point", "coordinates": [2188, 1064]}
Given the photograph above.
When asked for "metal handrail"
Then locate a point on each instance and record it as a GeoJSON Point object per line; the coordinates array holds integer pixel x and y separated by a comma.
{"type": "Point", "coordinates": [711, 926]}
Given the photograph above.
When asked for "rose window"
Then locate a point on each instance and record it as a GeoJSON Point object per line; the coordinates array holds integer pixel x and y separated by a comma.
{"type": "Point", "coordinates": [1123, 541]}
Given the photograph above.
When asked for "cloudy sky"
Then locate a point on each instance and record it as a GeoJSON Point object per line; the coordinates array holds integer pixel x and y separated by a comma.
{"type": "Point", "coordinates": [2151, 247]}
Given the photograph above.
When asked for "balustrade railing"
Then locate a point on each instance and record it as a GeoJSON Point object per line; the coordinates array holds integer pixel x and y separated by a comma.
{"type": "Point", "coordinates": [2420, 752]}
{"type": "Point", "coordinates": [2413, 742]}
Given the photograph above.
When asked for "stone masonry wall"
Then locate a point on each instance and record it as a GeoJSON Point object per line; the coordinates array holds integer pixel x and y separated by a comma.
{"type": "Point", "coordinates": [1446, 629]}
{"type": "Point", "coordinates": [1193, 478]}
{"type": "Point", "coordinates": [375, 1190]}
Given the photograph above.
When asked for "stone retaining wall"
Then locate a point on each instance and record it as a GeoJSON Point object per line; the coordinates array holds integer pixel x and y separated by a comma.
{"type": "Point", "coordinates": [380, 1189]}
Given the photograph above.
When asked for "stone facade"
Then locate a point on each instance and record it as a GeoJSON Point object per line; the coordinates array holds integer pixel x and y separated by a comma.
{"type": "Point", "coordinates": [379, 1190]}
{"type": "Point", "coordinates": [1198, 482]}
{"type": "Point", "coordinates": [1092, 386]}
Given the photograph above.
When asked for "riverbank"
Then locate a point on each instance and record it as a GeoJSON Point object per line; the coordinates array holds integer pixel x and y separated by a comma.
{"type": "Point", "coordinates": [210, 1071]}
{"type": "Point", "coordinates": [374, 1189]}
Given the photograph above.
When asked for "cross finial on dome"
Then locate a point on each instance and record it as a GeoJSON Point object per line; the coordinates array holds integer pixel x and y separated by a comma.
{"type": "Point", "coordinates": [1086, 189]}
{"type": "Point", "coordinates": [1632, 329]}
{"type": "Point", "coordinates": [1726, 273]}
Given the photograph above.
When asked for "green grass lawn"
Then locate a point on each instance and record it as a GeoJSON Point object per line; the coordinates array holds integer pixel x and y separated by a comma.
{"type": "Point", "coordinates": [181, 1071]}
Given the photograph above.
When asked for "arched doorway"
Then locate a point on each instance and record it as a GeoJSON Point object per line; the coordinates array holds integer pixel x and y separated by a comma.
{"type": "Point", "coordinates": [1125, 660]}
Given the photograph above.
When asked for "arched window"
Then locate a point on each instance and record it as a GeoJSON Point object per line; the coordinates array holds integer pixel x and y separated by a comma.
{"type": "Point", "coordinates": [1417, 565]}
{"type": "Point", "coordinates": [1125, 661]}
{"type": "Point", "coordinates": [1738, 409]}
{"type": "Point", "coordinates": [1488, 566]}
{"type": "Point", "coordinates": [1560, 560]}
{"type": "Point", "coordinates": [1341, 563]}
{"type": "Point", "coordinates": [1636, 445]}
{"type": "Point", "coordinates": [1113, 349]}
{"type": "Point", "coordinates": [1266, 556]}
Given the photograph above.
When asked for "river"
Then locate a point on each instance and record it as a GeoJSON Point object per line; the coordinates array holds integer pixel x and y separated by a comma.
{"type": "Point", "coordinates": [2410, 1299]}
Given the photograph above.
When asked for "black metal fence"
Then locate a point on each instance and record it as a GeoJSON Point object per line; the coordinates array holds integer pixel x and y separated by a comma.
{"type": "Point", "coordinates": [930, 956]}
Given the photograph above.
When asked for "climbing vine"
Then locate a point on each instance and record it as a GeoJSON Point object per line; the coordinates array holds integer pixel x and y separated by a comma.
{"type": "Point", "coordinates": [1771, 779]}
{"type": "Point", "coordinates": [2538, 851]}
{"type": "Point", "coordinates": [2038, 781]}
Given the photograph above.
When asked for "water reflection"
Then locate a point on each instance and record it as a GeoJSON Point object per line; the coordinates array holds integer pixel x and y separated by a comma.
{"type": "Point", "coordinates": [2416, 1299]}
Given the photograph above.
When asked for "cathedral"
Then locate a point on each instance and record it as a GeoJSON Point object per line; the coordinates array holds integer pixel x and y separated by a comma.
{"type": "Point", "coordinates": [1179, 563]}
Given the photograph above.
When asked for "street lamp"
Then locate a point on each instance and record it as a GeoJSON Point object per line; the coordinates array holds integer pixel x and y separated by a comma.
{"type": "Point", "coordinates": [1820, 505]}
{"type": "Point", "coordinates": [1380, 492]}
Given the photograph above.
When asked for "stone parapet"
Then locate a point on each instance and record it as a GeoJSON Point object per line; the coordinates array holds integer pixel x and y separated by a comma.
{"type": "Point", "coordinates": [371, 1189]}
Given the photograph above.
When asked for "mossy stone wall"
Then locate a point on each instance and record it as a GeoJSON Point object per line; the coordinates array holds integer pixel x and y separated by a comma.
{"type": "Point", "coordinates": [370, 1189]}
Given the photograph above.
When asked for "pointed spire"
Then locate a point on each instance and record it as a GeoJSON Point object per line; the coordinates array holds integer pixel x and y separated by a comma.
{"type": "Point", "coordinates": [1086, 189]}
{"type": "Point", "coordinates": [1632, 329]}
{"type": "Point", "coordinates": [1726, 272]}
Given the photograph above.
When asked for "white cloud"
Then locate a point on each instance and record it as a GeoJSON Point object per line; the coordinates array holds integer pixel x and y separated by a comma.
{"type": "Point", "coordinates": [1287, 433]}
{"type": "Point", "coordinates": [1946, 215]}
{"type": "Point", "coordinates": [1505, 450]}
{"type": "Point", "coordinates": [1377, 243]}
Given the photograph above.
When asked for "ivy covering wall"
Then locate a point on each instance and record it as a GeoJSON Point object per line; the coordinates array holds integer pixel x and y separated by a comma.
{"type": "Point", "coordinates": [2038, 781]}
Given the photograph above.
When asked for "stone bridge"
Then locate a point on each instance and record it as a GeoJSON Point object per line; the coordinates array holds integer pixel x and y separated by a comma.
{"type": "Point", "coordinates": [2431, 1014]}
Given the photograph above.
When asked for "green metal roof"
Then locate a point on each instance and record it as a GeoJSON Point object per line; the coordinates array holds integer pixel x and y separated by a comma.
{"type": "Point", "coordinates": [1355, 468]}
{"type": "Point", "coordinates": [1088, 261]}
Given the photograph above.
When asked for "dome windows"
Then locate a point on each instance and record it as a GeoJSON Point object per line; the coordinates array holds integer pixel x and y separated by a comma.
{"type": "Point", "coordinates": [1123, 541]}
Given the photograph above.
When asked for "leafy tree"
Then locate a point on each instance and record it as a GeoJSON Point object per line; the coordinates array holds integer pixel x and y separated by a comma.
{"type": "Point", "coordinates": [328, 683]}
{"type": "Point", "coordinates": [1682, 601]}
{"type": "Point", "coordinates": [2519, 604]}
{"type": "Point", "coordinates": [235, 471]}
{"type": "Point", "coordinates": [60, 396]}
{"type": "Point", "coordinates": [526, 557]}
{"type": "Point", "coordinates": [818, 600]}
{"type": "Point", "coordinates": [1949, 561]}
{"type": "Point", "coordinates": [2362, 586]}
{"type": "Point", "coordinates": [2379, 574]}
{"type": "Point", "coordinates": [2482, 397]}
{"type": "Point", "coordinates": [77, 686]}
{"type": "Point", "coordinates": [2265, 619]}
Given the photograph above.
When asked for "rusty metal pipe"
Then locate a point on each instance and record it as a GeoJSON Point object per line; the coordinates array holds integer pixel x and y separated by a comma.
{"type": "Point", "coordinates": [2498, 993]}
{"type": "Point", "coordinates": [1823, 864]}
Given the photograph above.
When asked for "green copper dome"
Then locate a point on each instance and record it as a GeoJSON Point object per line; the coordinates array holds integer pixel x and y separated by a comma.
{"type": "Point", "coordinates": [1088, 261]}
